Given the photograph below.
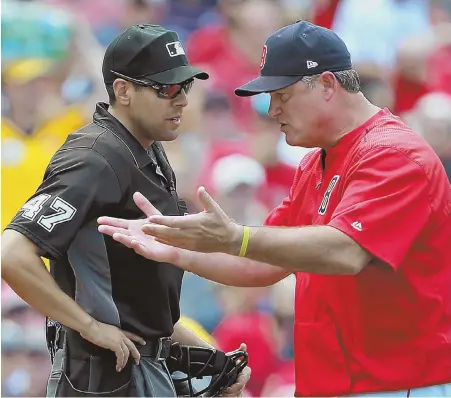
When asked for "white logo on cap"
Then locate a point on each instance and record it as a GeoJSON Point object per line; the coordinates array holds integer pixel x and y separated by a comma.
{"type": "Point", "coordinates": [175, 48]}
{"type": "Point", "coordinates": [311, 64]}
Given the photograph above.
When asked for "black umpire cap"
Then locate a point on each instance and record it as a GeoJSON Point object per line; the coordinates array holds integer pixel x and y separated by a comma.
{"type": "Point", "coordinates": [148, 53]}
{"type": "Point", "coordinates": [297, 50]}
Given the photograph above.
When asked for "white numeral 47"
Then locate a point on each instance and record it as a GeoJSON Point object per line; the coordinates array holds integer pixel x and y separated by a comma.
{"type": "Point", "coordinates": [63, 211]}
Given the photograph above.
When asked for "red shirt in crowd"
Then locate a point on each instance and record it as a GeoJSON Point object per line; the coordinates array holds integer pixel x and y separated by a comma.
{"type": "Point", "coordinates": [389, 327]}
{"type": "Point", "coordinates": [324, 13]}
{"type": "Point", "coordinates": [210, 46]}
{"type": "Point", "coordinates": [439, 68]}
{"type": "Point", "coordinates": [279, 176]}
{"type": "Point", "coordinates": [257, 331]}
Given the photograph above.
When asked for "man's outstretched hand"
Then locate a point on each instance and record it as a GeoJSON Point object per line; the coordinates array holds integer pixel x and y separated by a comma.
{"type": "Point", "coordinates": [130, 233]}
{"type": "Point", "coordinates": [208, 231]}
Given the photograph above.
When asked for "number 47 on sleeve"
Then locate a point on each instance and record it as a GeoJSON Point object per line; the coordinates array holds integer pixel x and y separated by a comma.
{"type": "Point", "coordinates": [64, 211]}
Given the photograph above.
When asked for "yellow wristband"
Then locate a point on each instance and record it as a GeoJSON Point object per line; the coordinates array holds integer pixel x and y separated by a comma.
{"type": "Point", "coordinates": [245, 241]}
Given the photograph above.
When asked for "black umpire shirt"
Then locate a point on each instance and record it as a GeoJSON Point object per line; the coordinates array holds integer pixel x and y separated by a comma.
{"type": "Point", "coordinates": [95, 173]}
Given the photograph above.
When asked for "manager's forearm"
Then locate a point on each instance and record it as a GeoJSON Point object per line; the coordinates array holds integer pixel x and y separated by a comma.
{"type": "Point", "coordinates": [313, 249]}
{"type": "Point", "coordinates": [25, 272]}
{"type": "Point", "coordinates": [230, 270]}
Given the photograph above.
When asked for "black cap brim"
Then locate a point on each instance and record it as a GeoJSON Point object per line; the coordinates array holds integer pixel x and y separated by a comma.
{"type": "Point", "coordinates": [265, 84]}
{"type": "Point", "coordinates": [177, 75]}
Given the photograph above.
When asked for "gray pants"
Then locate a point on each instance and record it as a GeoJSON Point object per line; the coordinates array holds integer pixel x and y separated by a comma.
{"type": "Point", "coordinates": [80, 376]}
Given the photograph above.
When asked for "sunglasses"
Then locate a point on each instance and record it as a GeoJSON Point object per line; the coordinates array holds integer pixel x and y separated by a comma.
{"type": "Point", "coordinates": [165, 91]}
{"type": "Point", "coordinates": [171, 91]}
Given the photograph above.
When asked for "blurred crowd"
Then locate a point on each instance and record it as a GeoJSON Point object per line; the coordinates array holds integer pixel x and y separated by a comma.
{"type": "Point", "coordinates": [51, 62]}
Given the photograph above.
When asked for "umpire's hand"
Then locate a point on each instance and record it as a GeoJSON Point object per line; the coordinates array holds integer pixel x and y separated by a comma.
{"type": "Point", "coordinates": [237, 389]}
{"type": "Point", "coordinates": [114, 339]}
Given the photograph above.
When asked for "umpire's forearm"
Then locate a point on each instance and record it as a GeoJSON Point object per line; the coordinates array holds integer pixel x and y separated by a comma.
{"type": "Point", "coordinates": [25, 272]}
{"type": "Point", "coordinates": [186, 337]}
{"type": "Point", "coordinates": [230, 270]}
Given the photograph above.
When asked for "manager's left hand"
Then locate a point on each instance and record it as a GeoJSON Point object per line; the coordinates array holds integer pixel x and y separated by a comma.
{"type": "Point", "coordinates": [208, 231]}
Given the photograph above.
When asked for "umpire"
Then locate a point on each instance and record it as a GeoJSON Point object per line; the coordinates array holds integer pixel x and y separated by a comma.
{"type": "Point", "coordinates": [105, 295]}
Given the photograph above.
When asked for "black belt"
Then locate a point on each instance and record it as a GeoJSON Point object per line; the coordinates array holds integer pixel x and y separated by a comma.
{"type": "Point", "coordinates": [158, 349]}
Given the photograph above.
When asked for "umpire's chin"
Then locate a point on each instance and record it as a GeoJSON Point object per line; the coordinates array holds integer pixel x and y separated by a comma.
{"type": "Point", "coordinates": [170, 133]}
{"type": "Point", "coordinates": [167, 131]}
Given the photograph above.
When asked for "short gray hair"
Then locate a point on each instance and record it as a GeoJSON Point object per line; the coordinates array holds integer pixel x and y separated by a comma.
{"type": "Point", "coordinates": [348, 79]}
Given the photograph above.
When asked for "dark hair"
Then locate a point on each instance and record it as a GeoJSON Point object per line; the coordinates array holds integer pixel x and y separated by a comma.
{"type": "Point", "coordinates": [348, 79]}
{"type": "Point", "coordinates": [112, 96]}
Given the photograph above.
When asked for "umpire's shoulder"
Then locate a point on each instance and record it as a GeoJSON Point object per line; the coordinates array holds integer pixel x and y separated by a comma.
{"type": "Point", "coordinates": [87, 148]}
{"type": "Point", "coordinates": [102, 144]}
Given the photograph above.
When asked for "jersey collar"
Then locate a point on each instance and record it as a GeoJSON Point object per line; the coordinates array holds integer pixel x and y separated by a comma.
{"type": "Point", "coordinates": [105, 119]}
{"type": "Point", "coordinates": [347, 142]}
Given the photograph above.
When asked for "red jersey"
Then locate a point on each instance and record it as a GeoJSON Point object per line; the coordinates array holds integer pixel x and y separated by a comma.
{"type": "Point", "coordinates": [389, 327]}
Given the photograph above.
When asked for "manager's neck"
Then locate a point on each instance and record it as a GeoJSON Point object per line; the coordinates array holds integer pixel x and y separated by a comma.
{"type": "Point", "coordinates": [356, 111]}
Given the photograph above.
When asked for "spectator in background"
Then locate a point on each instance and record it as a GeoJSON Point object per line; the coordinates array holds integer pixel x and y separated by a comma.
{"type": "Point", "coordinates": [244, 320]}
{"type": "Point", "coordinates": [377, 90]}
{"type": "Point", "coordinates": [323, 12]}
{"type": "Point", "coordinates": [405, 39]}
{"type": "Point", "coordinates": [190, 15]}
{"type": "Point", "coordinates": [32, 129]}
{"type": "Point", "coordinates": [410, 77]}
{"type": "Point", "coordinates": [232, 50]}
{"type": "Point", "coordinates": [48, 86]}
{"type": "Point", "coordinates": [381, 25]}
{"type": "Point", "coordinates": [431, 117]}
{"type": "Point", "coordinates": [218, 125]}
{"type": "Point", "coordinates": [268, 333]}
{"type": "Point", "coordinates": [439, 61]}
{"type": "Point", "coordinates": [266, 146]}
{"type": "Point", "coordinates": [236, 180]}
{"type": "Point", "coordinates": [221, 134]}
{"type": "Point", "coordinates": [24, 353]}
{"type": "Point", "coordinates": [281, 382]}
{"type": "Point", "coordinates": [424, 59]}
{"type": "Point", "coordinates": [133, 12]}
{"type": "Point", "coordinates": [281, 296]}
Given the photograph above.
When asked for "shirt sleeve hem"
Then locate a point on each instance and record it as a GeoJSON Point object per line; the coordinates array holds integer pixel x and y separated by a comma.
{"type": "Point", "coordinates": [56, 254]}
{"type": "Point", "coordinates": [354, 235]}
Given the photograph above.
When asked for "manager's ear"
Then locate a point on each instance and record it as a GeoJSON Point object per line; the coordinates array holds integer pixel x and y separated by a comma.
{"type": "Point", "coordinates": [329, 84]}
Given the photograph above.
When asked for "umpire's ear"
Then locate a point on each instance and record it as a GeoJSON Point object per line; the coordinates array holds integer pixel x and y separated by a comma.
{"type": "Point", "coordinates": [123, 91]}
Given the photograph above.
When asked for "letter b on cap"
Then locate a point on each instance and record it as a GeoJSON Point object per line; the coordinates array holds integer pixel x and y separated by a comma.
{"type": "Point", "coordinates": [263, 59]}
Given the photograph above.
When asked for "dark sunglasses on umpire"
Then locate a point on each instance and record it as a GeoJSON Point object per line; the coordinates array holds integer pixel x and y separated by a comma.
{"type": "Point", "coordinates": [171, 91]}
{"type": "Point", "coordinates": [166, 91]}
